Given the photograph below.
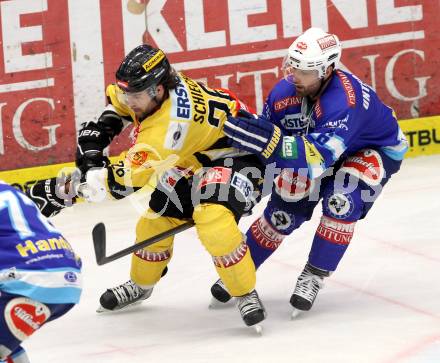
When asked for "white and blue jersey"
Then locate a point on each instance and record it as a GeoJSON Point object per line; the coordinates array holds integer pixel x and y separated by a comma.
{"type": "Point", "coordinates": [347, 117]}
{"type": "Point", "coordinates": [35, 259]}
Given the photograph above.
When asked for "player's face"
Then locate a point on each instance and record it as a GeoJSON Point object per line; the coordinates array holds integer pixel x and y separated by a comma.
{"type": "Point", "coordinates": [140, 102]}
{"type": "Point", "coordinates": [306, 82]}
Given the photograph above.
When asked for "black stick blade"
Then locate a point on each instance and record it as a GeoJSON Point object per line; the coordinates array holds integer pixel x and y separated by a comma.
{"type": "Point", "coordinates": [99, 243]}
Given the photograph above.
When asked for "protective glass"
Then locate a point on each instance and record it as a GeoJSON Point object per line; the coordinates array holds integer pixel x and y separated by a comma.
{"type": "Point", "coordinates": [128, 98]}
{"type": "Point", "coordinates": [139, 99]}
{"type": "Point", "coordinates": [288, 70]}
{"type": "Point", "coordinates": [291, 73]}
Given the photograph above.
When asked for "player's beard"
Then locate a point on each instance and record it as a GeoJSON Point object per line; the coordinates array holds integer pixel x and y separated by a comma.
{"type": "Point", "coordinates": [301, 91]}
{"type": "Point", "coordinates": [142, 114]}
{"type": "Point", "coordinates": [311, 90]}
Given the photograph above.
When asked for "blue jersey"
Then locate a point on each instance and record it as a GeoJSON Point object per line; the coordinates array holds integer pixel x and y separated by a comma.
{"type": "Point", "coordinates": [347, 117]}
{"type": "Point", "coordinates": [35, 260]}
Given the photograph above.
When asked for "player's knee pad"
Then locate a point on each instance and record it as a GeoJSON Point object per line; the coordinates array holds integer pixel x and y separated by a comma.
{"type": "Point", "coordinates": [217, 228]}
{"type": "Point", "coordinates": [344, 205]}
{"type": "Point", "coordinates": [364, 174]}
{"type": "Point", "coordinates": [289, 206]}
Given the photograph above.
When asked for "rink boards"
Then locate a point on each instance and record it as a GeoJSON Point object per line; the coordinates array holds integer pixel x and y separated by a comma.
{"type": "Point", "coordinates": [423, 135]}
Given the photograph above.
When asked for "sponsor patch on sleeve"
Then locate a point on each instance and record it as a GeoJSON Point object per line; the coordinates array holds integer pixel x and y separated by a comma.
{"type": "Point", "coordinates": [348, 88]}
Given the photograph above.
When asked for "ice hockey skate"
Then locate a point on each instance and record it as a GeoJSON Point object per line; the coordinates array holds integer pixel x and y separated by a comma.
{"type": "Point", "coordinates": [252, 310]}
{"type": "Point", "coordinates": [220, 296]}
{"type": "Point", "coordinates": [123, 296]}
{"type": "Point", "coordinates": [307, 287]}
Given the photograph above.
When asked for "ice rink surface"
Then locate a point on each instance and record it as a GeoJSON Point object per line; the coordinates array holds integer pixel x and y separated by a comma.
{"type": "Point", "coordinates": [382, 305]}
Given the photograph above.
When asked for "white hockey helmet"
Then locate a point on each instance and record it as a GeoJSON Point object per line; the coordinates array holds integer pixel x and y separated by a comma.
{"type": "Point", "coordinates": [313, 50]}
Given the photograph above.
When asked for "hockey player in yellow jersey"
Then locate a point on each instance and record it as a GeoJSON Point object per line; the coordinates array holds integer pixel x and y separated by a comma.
{"type": "Point", "coordinates": [181, 154]}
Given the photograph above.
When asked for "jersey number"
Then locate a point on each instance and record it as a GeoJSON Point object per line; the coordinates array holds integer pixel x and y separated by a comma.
{"type": "Point", "coordinates": [9, 201]}
{"type": "Point", "coordinates": [216, 111]}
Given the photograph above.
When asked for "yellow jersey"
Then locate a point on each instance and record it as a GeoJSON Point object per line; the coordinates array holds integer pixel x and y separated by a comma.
{"type": "Point", "coordinates": [186, 131]}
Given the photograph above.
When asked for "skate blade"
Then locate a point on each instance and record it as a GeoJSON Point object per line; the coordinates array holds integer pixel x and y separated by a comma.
{"type": "Point", "coordinates": [295, 314]}
{"type": "Point", "coordinates": [257, 328]}
{"type": "Point", "coordinates": [216, 304]}
{"type": "Point", "coordinates": [101, 309]}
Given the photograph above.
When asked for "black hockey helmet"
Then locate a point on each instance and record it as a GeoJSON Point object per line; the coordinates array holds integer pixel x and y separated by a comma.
{"type": "Point", "coordinates": [142, 68]}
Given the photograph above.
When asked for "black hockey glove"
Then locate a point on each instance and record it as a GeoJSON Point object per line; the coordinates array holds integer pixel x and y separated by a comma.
{"type": "Point", "coordinates": [92, 140]}
{"type": "Point", "coordinates": [94, 137]}
{"type": "Point", "coordinates": [50, 196]}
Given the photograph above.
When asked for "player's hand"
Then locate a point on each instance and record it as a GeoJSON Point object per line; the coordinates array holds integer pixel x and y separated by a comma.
{"type": "Point", "coordinates": [52, 195]}
{"type": "Point", "coordinates": [94, 188]}
{"type": "Point", "coordinates": [89, 159]}
{"type": "Point", "coordinates": [92, 140]}
{"type": "Point", "coordinates": [254, 134]}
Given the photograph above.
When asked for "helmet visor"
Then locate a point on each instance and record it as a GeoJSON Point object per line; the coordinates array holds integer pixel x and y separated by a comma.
{"type": "Point", "coordinates": [137, 99]}
{"type": "Point", "coordinates": [141, 102]}
{"type": "Point", "coordinates": [287, 70]}
{"type": "Point", "coordinates": [292, 73]}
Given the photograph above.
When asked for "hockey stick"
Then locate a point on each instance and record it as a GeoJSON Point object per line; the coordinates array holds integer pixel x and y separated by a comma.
{"type": "Point", "coordinates": [99, 242]}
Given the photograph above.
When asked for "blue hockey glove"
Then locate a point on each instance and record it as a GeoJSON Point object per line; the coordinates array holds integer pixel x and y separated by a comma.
{"type": "Point", "coordinates": [255, 134]}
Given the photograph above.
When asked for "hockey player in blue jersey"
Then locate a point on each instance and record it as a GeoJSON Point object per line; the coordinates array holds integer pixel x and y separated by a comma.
{"type": "Point", "coordinates": [334, 140]}
{"type": "Point", "coordinates": [40, 275]}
